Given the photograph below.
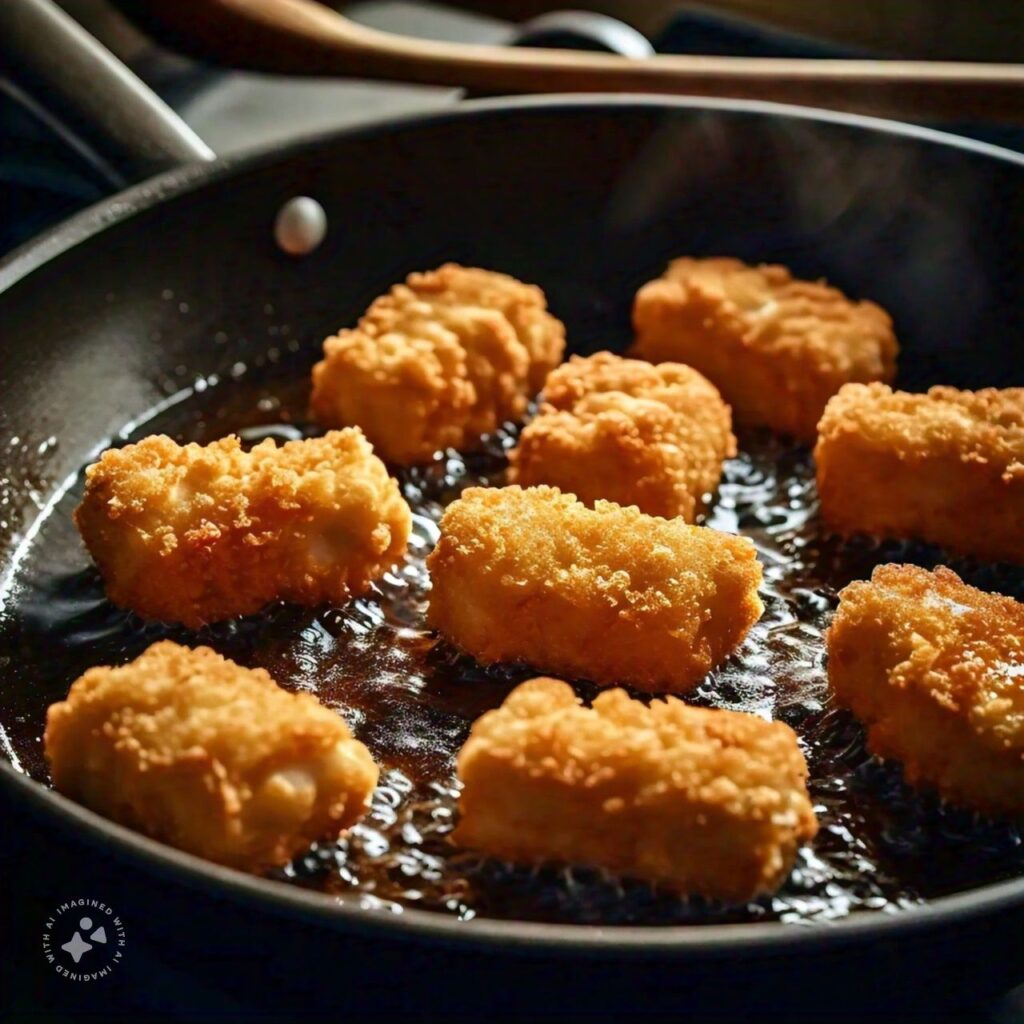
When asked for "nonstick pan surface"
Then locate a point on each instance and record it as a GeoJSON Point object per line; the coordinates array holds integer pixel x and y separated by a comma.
{"type": "Point", "coordinates": [171, 308]}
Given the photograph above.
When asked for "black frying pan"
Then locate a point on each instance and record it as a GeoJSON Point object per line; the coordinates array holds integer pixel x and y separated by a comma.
{"type": "Point", "coordinates": [180, 279]}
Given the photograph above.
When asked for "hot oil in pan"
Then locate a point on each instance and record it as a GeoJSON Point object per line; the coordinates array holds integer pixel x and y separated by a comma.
{"type": "Point", "coordinates": [412, 699]}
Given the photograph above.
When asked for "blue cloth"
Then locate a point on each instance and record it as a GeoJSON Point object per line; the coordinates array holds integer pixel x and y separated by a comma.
{"type": "Point", "coordinates": [42, 180]}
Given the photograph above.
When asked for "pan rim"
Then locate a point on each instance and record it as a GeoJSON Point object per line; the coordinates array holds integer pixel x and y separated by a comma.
{"type": "Point", "coordinates": [121, 206]}
{"type": "Point", "coordinates": [523, 936]}
{"type": "Point", "coordinates": [528, 937]}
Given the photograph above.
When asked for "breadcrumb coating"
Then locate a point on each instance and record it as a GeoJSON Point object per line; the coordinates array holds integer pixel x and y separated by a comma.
{"type": "Point", "coordinates": [195, 534]}
{"type": "Point", "coordinates": [934, 668]}
{"type": "Point", "coordinates": [447, 356]}
{"type": "Point", "coordinates": [777, 348]}
{"type": "Point", "coordinates": [608, 594]}
{"type": "Point", "coordinates": [945, 467]}
{"type": "Point", "coordinates": [208, 756]}
{"type": "Point", "coordinates": [701, 801]}
{"type": "Point", "coordinates": [630, 432]}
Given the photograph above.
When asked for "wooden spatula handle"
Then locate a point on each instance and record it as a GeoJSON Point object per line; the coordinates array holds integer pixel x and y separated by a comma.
{"type": "Point", "coordinates": [303, 37]}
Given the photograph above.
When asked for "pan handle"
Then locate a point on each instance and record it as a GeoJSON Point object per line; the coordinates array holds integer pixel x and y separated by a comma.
{"type": "Point", "coordinates": [64, 76]}
{"type": "Point", "coordinates": [303, 37]}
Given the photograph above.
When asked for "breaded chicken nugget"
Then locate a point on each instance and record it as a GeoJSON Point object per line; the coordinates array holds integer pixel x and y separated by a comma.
{"type": "Point", "coordinates": [440, 360]}
{"type": "Point", "coordinates": [608, 594]}
{"type": "Point", "coordinates": [946, 467]}
{"type": "Point", "coordinates": [935, 670]}
{"type": "Point", "coordinates": [628, 431]}
{"type": "Point", "coordinates": [776, 348]}
{"type": "Point", "coordinates": [702, 801]}
{"type": "Point", "coordinates": [194, 534]}
{"type": "Point", "coordinates": [208, 756]}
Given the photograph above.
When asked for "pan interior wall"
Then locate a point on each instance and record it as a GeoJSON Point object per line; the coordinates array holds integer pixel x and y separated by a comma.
{"type": "Point", "coordinates": [184, 318]}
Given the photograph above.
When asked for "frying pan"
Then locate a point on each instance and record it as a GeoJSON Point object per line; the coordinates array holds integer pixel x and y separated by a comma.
{"type": "Point", "coordinates": [179, 279]}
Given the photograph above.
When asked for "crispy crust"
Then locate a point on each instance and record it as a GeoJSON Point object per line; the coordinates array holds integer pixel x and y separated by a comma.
{"type": "Point", "coordinates": [630, 432]}
{"type": "Point", "coordinates": [946, 467]}
{"type": "Point", "coordinates": [777, 348]}
{"type": "Point", "coordinates": [935, 670]}
{"type": "Point", "coordinates": [701, 801]}
{"type": "Point", "coordinates": [208, 756]}
{"type": "Point", "coordinates": [447, 356]}
{"type": "Point", "coordinates": [608, 593]}
{"type": "Point", "coordinates": [194, 534]}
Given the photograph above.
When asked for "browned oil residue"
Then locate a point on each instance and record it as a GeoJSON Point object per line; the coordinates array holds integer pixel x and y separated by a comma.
{"type": "Point", "coordinates": [411, 699]}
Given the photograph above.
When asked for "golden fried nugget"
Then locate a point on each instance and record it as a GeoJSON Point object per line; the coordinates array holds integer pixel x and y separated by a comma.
{"type": "Point", "coordinates": [608, 594]}
{"type": "Point", "coordinates": [934, 668]}
{"type": "Point", "coordinates": [208, 756]}
{"type": "Point", "coordinates": [628, 431]}
{"type": "Point", "coordinates": [194, 534]}
{"type": "Point", "coordinates": [437, 362]}
{"type": "Point", "coordinates": [946, 467]}
{"type": "Point", "coordinates": [701, 801]}
{"type": "Point", "coordinates": [776, 348]}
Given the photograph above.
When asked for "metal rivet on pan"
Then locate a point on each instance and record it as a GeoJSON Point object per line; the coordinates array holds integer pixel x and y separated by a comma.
{"type": "Point", "coordinates": [300, 225]}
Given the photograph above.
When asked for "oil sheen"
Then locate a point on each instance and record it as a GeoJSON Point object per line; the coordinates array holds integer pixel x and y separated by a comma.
{"type": "Point", "coordinates": [411, 698]}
